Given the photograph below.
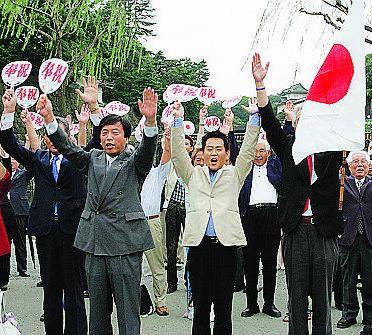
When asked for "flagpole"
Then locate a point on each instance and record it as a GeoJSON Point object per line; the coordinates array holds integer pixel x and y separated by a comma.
{"type": "Point", "coordinates": [342, 184]}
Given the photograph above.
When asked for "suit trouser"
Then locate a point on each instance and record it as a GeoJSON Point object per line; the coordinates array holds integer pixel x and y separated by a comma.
{"type": "Point", "coordinates": [357, 259]}
{"type": "Point", "coordinates": [212, 269]}
{"type": "Point", "coordinates": [155, 258]}
{"type": "Point", "coordinates": [117, 277]}
{"type": "Point", "coordinates": [19, 240]}
{"type": "Point", "coordinates": [61, 268]}
{"type": "Point", "coordinates": [263, 239]}
{"type": "Point", "coordinates": [338, 282]}
{"type": "Point", "coordinates": [310, 261]}
{"type": "Point", "coordinates": [174, 220]}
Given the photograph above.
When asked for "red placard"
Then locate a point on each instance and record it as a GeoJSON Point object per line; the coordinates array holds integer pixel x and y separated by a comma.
{"type": "Point", "coordinates": [52, 73]}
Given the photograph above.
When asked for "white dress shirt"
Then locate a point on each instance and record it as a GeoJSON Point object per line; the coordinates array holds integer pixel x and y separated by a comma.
{"type": "Point", "coordinates": [263, 192]}
{"type": "Point", "coordinates": [152, 189]}
{"type": "Point", "coordinates": [314, 178]}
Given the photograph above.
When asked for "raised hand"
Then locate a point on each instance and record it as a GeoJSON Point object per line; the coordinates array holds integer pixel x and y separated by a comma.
{"type": "Point", "coordinates": [203, 114]}
{"type": "Point", "coordinates": [259, 72]}
{"type": "Point", "coordinates": [288, 110]}
{"type": "Point", "coordinates": [83, 117]}
{"type": "Point", "coordinates": [44, 107]}
{"type": "Point", "coordinates": [178, 110]}
{"type": "Point", "coordinates": [227, 122]}
{"type": "Point", "coordinates": [25, 117]}
{"type": "Point", "coordinates": [252, 107]}
{"type": "Point", "coordinates": [148, 106]}
{"type": "Point", "coordinates": [229, 115]}
{"type": "Point", "coordinates": [9, 101]}
{"type": "Point", "coordinates": [90, 94]}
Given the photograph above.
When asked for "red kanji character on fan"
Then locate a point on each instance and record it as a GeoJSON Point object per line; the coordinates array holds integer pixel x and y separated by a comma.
{"type": "Point", "coordinates": [177, 89]}
{"type": "Point", "coordinates": [211, 93]}
{"type": "Point", "coordinates": [12, 69]}
{"type": "Point", "coordinates": [32, 94]}
{"type": "Point", "coordinates": [23, 69]}
{"type": "Point", "coordinates": [208, 122]}
{"type": "Point", "coordinates": [203, 92]}
{"type": "Point", "coordinates": [48, 70]}
{"type": "Point", "coordinates": [21, 93]}
{"type": "Point", "coordinates": [190, 92]}
{"type": "Point", "coordinates": [59, 72]}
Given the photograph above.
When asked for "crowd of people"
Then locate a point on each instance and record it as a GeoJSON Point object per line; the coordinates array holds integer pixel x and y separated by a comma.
{"type": "Point", "coordinates": [97, 207]}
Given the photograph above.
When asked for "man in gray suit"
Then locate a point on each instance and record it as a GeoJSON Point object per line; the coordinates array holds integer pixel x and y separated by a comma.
{"type": "Point", "coordinates": [113, 230]}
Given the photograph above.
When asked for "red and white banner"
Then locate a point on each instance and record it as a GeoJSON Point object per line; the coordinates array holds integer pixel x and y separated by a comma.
{"type": "Point", "coordinates": [207, 95]}
{"type": "Point", "coordinates": [212, 123]}
{"type": "Point", "coordinates": [37, 120]}
{"type": "Point", "coordinates": [27, 96]}
{"type": "Point", "coordinates": [117, 108]}
{"type": "Point", "coordinates": [332, 118]}
{"type": "Point", "coordinates": [52, 73]}
{"type": "Point", "coordinates": [15, 73]}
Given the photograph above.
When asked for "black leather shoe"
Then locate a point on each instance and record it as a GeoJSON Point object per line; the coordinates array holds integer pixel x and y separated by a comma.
{"type": "Point", "coordinates": [248, 312]}
{"type": "Point", "coordinates": [367, 330]}
{"type": "Point", "coordinates": [39, 284]}
{"type": "Point", "coordinates": [23, 274]}
{"type": "Point", "coordinates": [171, 289]}
{"type": "Point", "coordinates": [4, 288]}
{"type": "Point", "coordinates": [344, 323]}
{"type": "Point", "coordinates": [271, 311]}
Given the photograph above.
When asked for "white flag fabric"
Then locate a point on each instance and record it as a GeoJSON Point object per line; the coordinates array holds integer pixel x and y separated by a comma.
{"type": "Point", "coordinates": [333, 115]}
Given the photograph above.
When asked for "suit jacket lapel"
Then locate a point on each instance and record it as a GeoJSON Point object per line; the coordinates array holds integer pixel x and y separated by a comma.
{"type": "Point", "coordinates": [45, 161]}
{"type": "Point", "coordinates": [364, 186]}
{"type": "Point", "coordinates": [62, 169]}
{"type": "Point", "coordinates": [351, 182]}
{"type": "Point", "coordinates": [112, 173]}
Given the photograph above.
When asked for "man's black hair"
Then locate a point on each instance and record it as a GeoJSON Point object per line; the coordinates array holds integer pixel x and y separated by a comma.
{"type": "Point", "coordinates": [216, 134]}
{"type": "Point", "coordinates": [187, 137]}
{"type": "Point", "coordinates": [111, 119]}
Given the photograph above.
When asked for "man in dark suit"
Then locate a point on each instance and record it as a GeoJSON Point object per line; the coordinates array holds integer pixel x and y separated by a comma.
{"type": "Point", "coordinates": [113, 230]}
{"type": "Point", "coordinates": [356, 241]}
{"type": "Point", "coordinates": [258, 210]}
{"type": "Point", "coordinates": [55, 211]}
{"type": "Point", "coordinates": [309, 216]}
{"type": "Point", "coordinates": [19, 201]}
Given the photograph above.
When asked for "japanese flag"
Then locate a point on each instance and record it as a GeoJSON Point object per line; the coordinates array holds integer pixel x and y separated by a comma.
{"type": "Point", "coordinates": [332, 118]}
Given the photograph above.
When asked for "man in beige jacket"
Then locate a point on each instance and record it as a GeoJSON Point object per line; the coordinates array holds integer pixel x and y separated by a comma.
{"type": "Point", "coordinates": [213, 229]}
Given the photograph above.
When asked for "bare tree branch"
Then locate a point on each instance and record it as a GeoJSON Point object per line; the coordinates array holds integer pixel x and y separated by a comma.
{"type": "Point", "coordinates": [338, 5]}
{"type": "Point", "coordinates": [325, 16]}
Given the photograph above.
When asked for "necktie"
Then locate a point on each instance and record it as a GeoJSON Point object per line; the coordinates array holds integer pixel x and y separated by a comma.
{"type": "Point", "coordinates": [54, 167]}
{"type": "Point", "coordinates": [360, 224]}
{"type": "Point", "coordinates": [310, 167]}
{"type": "Point", "coordinates": [359, 184]}
{"type": "Point", "coordinates": [55, 176]}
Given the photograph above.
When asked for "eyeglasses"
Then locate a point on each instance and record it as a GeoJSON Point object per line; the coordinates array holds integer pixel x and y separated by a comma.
{"type": "Point", "coordinates": [357, 161]}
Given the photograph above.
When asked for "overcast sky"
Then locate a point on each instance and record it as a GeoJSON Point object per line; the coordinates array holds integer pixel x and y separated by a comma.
{"type": "Point", "coordinates": [221, 32]}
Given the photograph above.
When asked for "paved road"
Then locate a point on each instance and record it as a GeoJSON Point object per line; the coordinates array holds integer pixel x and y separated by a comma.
{"type": "Point", "coordinates": [24, 299]}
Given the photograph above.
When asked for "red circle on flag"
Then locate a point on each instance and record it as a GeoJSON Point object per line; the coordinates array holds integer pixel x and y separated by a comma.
{"type": "Point", "coordinates": [333, 80]}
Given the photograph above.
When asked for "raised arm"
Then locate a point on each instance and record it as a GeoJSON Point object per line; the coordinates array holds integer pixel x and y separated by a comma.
{"type": "Point", "coordinates": [144, 155]}
{"type": "Point", "coordinates": [32, 138]}
{"type": "Point", "coordinates": [83, 119]}
{"type": "Point", "coordinates": [8, 140]}
{"type": "Point", "coordinates": [274, 132]}
{"type": "Point", "coordinates": [166, 155]}
{"type": "Point", "coordinates": [75, 154]}
{"type": "Point", "coordinates": [179, 155]}
{"type": "Point", "coordinates": [202, 115]}
{"type": "Point", "coordinates": [227, 128]}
